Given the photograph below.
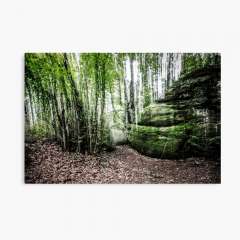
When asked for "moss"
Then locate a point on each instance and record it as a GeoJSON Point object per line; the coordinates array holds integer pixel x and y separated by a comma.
{"type": "Point", "coordinates": [158, 108]}
{"type": "Point", "coordinates": [163, 120]}
{"type": "Point", "coordinates": [178, 141]}
{"type": "Point", "coordinates": [164, 142]}
{"type": "Point", "coordinates": [162, 147]}
{"type": "Point", "coordinates": [163, 114]}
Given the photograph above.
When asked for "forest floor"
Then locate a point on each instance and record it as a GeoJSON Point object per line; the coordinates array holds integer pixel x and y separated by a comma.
{"type": "Point", "coordinates": [45, 162]}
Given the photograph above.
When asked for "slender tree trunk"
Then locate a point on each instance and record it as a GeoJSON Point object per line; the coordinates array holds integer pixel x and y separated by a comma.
{"type": "Point", "coordinates": [31, 105]}
{"type": "Point", "coordinates": [168, 71]}
{"type": "Point", "coordinates": [131, 102]}
{"type": "Point", "coordinates": [78, 103]}
{"type": "Point", "coordinates": [26, 111]}
{"type": "Point", "coordinates": [97, 89]}
{"type": "Point", "coordinates": [103, 97]}
{"type": "Point", "coordinates": [126, 112]}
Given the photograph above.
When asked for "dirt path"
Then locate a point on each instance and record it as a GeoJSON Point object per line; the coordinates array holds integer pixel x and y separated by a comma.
{"type": "Point", "coordinates": [47, 163]}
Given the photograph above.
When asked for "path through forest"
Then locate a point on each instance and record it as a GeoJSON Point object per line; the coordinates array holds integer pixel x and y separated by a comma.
{"type": "Point", "coordinates": [47, 163]}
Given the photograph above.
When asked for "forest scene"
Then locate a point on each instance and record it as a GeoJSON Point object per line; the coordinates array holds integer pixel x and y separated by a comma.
{"type": "Point", "coordinates": [122, 118]}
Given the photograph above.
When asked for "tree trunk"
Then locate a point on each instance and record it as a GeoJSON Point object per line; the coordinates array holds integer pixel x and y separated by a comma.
{"type": "Point", "coordinates": [131, 102]}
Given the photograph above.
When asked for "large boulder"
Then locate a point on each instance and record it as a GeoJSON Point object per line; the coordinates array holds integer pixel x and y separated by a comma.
{"type": "Point", "coordinates": [163, 114]}
{"type": "Point", "coordinates": [161, 142]}
{"type": "Point", "coordinates": [186, 123]}
{"type": "Point", "coordinates": [174, 142]}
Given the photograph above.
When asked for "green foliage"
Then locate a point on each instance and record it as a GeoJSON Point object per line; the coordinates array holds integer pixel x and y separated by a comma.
{"type": "Point", "coordinates": [38, 131]}
{"type": "Point", "coordinates": [192, 61]}
{"type": "Point", "coordinates": [67, 91]}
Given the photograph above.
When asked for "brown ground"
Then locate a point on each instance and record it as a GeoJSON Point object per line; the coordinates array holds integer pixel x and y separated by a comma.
{"type": "Point", "coordinates": [46, 163]}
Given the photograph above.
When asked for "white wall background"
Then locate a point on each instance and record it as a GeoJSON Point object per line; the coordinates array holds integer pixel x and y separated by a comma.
{"type": "Point", "coordinates": [117, 211]}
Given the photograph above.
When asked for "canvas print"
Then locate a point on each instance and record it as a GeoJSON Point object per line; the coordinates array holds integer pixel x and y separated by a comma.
{"type": "Point", "coordinates": [122, 118]}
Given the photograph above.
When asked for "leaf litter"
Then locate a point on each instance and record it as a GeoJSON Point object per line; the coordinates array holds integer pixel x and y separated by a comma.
{"type": "Point", "coordinates": [45, 162]}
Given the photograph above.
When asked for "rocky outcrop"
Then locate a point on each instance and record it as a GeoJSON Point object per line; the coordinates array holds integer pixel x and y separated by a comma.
{"type": "Point", "coordinates": [161, 142]}
{"type": "Point", "coordinates": [163, 115]}
{"type": "Point", "coordinates": [186, 123]}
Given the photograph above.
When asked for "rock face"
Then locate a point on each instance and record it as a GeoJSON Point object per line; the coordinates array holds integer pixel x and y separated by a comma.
{"type": "Point", "coordinates": [163, 115]}
{"type": "Point", "coordinates": [186, 123]}
{"type": "Point", "coordinates": [162, 142]}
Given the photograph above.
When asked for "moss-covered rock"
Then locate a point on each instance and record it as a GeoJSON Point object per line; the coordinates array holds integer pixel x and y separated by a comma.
{"type": "Point", "coordinates": [186, 123]}
{"type": "Point", "coordinates": [163, 142]}
{"type": "Point", "coordinates": [163, 114]}
{"type": "Point", "coordinates": [174, 142]}
{"type": "Point", "coordinates": [200, 88]}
